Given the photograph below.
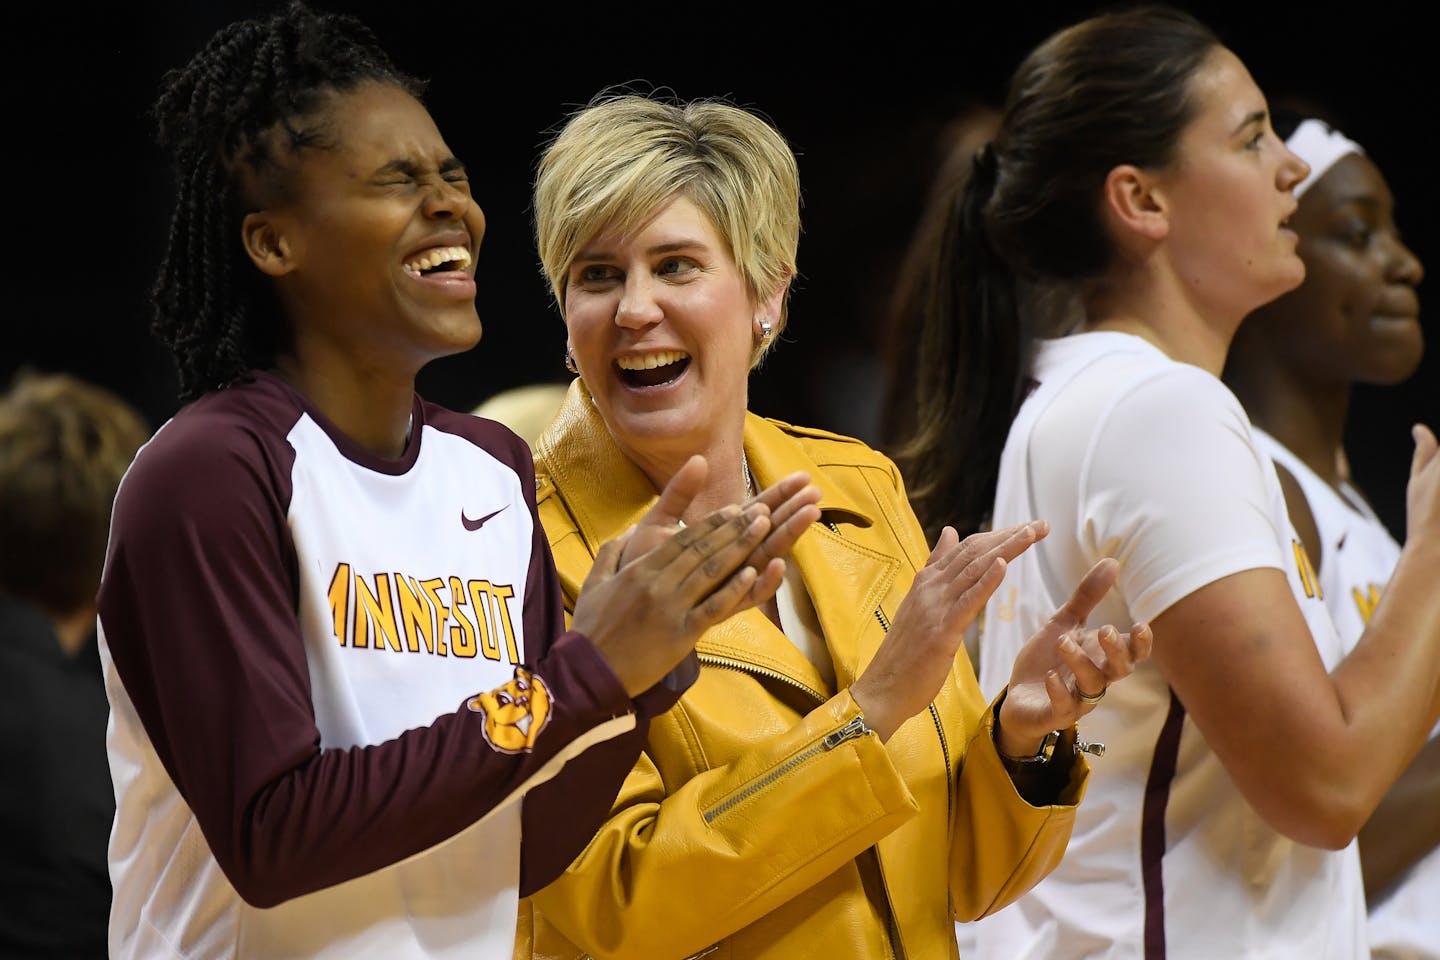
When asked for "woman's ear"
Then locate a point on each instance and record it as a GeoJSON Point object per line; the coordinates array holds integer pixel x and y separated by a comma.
{"type": "Point", "coordinates": [773, 307]}
{"type": "Point", "coordinates": [265, 241]}
{"type": "Point", "coordinates": [1134, 205]}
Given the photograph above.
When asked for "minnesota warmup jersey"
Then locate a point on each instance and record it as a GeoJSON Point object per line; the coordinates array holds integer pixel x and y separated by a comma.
{"type": "Point", "coordinates": [331, 678]}
{"type": "Point", "coordinates": [1132, 455]}
{"type": "Point", "coordinates": [1357, 556]}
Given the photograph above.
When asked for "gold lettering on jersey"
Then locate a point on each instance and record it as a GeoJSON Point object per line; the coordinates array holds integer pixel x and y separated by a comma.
{"type": "Point", "coordinates": [516, 713]}
{"type": "Point", "coordinates": [1308, 580]}
{"type": "Point", "coordinates": [1366, 601]}
{"type": "Point", "coordinates": [1005, 609]}
{"type": "Point", "coordinates": [375, 611]}
{"type": "Point", "coordinates": [432, 588]}
{"type": "Point", "coordinates": [462, 635]}
{"type": "Point", "coordinates": [500, 593]}
{"type": "Point", "coordinates": [417, 618]}
{"type": "Point", "coordinates": [480, 601]}
{"type": "Point", "coordinates": [339, 595]}
{"type": "Point", "coordinates": [441, 616]}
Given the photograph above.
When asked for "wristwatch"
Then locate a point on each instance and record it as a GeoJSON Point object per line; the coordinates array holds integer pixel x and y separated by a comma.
{"type": "Point", "coordinates": [1043, 755]}
{"type": "Point", "coordinates": [1047, 750]}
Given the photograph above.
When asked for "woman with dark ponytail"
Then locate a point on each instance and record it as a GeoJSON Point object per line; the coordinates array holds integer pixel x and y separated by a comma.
{"type": "Point", "coordinates": [1129, 213]}
{"type": "Point", "coordinates": [333, 637]}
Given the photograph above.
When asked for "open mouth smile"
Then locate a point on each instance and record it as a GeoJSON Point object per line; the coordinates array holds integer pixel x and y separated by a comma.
{"type": "Point", "coordinates": [652, 369]}
{"type": "Point", "coordinates": [438, 260]}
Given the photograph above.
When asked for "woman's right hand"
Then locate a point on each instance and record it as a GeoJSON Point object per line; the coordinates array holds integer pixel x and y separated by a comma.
{"type": "Point", "coordinates": [948, 594]}
{"type": "Point", "coordinates": [656, 588]}
{"type": "Point", "coordinates": [1422, 493]}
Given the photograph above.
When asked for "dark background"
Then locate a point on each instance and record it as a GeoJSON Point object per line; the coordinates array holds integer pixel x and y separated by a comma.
{"type": "Point", "coordinates": [862, 96]}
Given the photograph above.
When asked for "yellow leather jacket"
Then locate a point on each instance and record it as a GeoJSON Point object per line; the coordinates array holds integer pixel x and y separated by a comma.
{"type": "Point", "coordinates": [761, 820]}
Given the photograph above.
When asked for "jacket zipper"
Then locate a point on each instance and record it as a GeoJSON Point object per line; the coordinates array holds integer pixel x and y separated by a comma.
{"type": "Point", "coordinates": [939, 728]}
{"type": "Point", "coordinates": [745, 667]}
{"type": "Point", "coordinates": [852, 729]}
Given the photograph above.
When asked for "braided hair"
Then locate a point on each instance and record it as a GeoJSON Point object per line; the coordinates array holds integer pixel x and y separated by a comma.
{"type": "Point", "coordinates": [229, 120]}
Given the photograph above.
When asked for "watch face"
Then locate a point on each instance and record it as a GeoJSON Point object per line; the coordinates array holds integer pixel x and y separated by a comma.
{"type": "Point", "coordinates": [1043, 755]}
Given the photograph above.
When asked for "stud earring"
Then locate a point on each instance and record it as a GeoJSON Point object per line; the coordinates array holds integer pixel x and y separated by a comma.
{"type": "Point", "coordinates": [765, 331]}
{"type": "Point", "coordinates": [570, 362]}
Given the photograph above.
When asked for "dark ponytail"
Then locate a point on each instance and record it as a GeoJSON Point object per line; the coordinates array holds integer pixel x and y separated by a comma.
{"type": "Point", "coordinates": [959, 360]}
{"type": "Point", "coordinates": [1111, 90]}
{"type": "Point", "coordinates": [230, 120]}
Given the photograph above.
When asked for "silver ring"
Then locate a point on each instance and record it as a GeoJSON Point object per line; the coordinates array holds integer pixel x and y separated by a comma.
{"type": "Point", "coordinates": [1090, 698]}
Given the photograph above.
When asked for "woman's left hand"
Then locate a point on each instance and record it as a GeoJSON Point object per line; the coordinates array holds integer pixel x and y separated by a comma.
{"type": "Point", "coordinates": [1064, 669]}
{"type": "Point", "coordinates": [792, 503]}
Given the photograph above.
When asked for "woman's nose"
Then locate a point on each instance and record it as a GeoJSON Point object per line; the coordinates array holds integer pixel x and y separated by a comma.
{"type": "Point", "coordinates": [445, 200]}
{"type": "Point", "coordinates": [638, 306]}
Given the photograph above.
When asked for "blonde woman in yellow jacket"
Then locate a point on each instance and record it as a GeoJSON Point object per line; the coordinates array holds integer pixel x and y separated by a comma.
{"type": "Point", "coordinates": [833, 784]}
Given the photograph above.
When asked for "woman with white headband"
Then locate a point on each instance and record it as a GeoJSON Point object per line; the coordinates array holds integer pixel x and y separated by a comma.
{"type": "Point", "coordinates": [1355, 319]}
{"type": "Point", "coordinates": [1134, 206]}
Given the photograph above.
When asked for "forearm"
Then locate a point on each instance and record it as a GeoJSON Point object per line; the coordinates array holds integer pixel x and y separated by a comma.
{"type": "Point", "coordinates": [1398, 659]}
{"type": "Point", "coordinates": [731, 844]}
{"type": "Point", "coordinates": [1405, 827]}
{"type": "Point", "coordinates": [1312, 751]}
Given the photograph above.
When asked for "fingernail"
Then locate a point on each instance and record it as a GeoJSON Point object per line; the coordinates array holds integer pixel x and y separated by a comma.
{"type": "Point", "coordinates": [1067, 644]}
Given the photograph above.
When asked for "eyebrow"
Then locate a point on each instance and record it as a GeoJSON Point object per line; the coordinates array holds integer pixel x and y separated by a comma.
{"type": "Point", "coordinates": [659, 248]}
{"type": "Point", "coordinates": [1255, 116]}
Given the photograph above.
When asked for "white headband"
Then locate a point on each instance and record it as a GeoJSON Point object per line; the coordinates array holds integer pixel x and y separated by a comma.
{"type": "Point", "coordinates": [1319, 146]}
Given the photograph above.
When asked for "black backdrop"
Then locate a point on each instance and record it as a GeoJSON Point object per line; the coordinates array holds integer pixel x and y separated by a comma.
{"type": "Point", "coordinates": [861, 95]}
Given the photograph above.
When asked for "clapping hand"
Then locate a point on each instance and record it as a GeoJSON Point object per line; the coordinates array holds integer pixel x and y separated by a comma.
{"type": "Point", "coordinates": [1064, 669]}
{"type": "Point", "coordinates": [919, 650]}
{"type": "Point", "coordinates": [656, 588]}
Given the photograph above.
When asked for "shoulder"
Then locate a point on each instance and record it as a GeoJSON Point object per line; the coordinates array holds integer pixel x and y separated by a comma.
{"type": "Point", "coordinates": [830, 449]}
{"type": "Point", "coordinates": [499, 443]}
{"type": "Point", "coordinates": [860, 480]}
{"type": "Point", "coordinates": [1155, 399]}
{"type": "Point", "coordinates": [214, 444]}
{"type": "Point", "coordinates": [491, 435]}
{"type": "Point", "coordinates": [217, 474]}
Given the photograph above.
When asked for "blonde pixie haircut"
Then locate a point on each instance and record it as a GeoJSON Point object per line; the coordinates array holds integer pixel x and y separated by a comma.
{"type": "Point", "coordinates": [622, 157]}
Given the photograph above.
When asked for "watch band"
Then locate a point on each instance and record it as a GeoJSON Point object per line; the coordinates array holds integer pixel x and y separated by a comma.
{"type": "Point", "coordinates": [1043, 755]}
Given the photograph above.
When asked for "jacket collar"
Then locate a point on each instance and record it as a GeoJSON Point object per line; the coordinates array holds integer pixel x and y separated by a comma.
{"type": "Point", "coordinates": [606, 493]}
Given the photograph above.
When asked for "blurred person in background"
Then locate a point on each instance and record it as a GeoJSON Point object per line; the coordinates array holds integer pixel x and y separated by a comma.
{"type": "Point", "coordinates": [1354, 319]}
{"type": "Point", "coordinates": [64, 445]}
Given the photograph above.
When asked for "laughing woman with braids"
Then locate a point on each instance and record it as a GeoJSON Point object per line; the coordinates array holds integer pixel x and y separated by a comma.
{"type": "Point", "coordinates": [332, 633]}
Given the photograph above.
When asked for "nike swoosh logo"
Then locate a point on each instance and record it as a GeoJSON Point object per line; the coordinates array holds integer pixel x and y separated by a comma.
{"type": "Point", "coordinates": [477, 524]}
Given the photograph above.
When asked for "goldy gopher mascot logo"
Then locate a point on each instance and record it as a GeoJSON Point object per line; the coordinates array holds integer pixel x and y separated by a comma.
{"type": "Point", "coordinates": [515, 713]}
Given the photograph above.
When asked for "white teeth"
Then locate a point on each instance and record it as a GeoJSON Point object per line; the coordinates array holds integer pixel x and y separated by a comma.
{"type": "Point", "coordinates": [651, 360]}
{"type": "Point", "coordinates": [437, 256]}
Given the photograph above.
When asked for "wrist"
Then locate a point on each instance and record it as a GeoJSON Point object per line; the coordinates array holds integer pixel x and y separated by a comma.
{"type": "Point", "coordinates": [1037, 753]}
{"type": "Point", "coordinates": [877, 719]}
{"type": "Point", "coordinates": [1011, 737]}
